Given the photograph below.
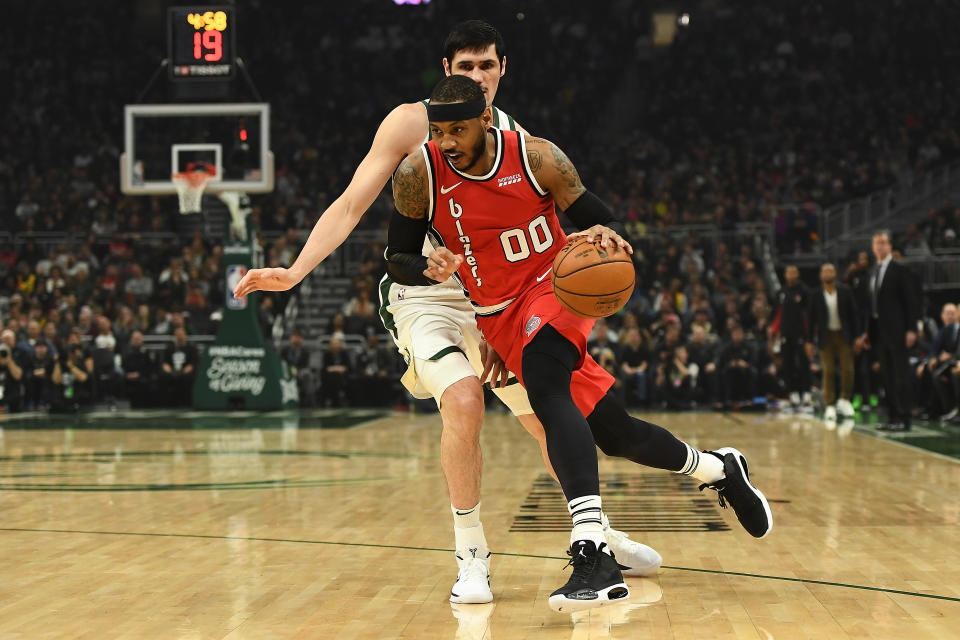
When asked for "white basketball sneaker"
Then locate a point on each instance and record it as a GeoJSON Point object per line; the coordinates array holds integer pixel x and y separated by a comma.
{"type": "Point", "coordinates": [473, 580]}
{"type": "Point", "coordinates": [830, 414]}
{"type": "Point", "coordinates": [636, 559]}
{"type": "Point", "coordinates": [845, 409]}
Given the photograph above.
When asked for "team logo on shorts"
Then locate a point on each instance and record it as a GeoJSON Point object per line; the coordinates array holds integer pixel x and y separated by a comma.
{"type": "Point", "coordinates": [532, 325]}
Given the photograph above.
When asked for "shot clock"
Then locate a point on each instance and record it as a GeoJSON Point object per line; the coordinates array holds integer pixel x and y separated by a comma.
{"type": "Point", "coordinates": [201, 42]}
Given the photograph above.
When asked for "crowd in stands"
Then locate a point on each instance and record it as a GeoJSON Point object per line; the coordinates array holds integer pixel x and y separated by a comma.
{"type": "Point", "coordinates": [808, 104]}
{"type": "Point", "coordinates": [74, 321]}
{"type": "Point", "coordinates": [708, 330]}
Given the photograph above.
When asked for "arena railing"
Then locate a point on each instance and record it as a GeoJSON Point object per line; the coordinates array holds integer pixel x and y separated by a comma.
{"type": "Point", "coordinates": [49, 239]}
{"type": "Point", "coordinates": [841, 221]}
{"type": "Point", "coordinates": [156, 343]}
{"type": "Point", "coordinates": [937, 272]}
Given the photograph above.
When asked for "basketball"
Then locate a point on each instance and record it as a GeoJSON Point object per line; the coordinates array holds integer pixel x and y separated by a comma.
{"type": "Point", "coordinates": [591, 281]}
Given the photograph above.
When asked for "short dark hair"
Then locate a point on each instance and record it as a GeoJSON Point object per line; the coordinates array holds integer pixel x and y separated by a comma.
{"type": "Point", "coordinates": [456, 89]}
{"type": "Point", "coordinates": [474, 36]}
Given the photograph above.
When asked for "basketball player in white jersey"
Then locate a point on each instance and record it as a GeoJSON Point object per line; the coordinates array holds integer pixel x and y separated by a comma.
{"type": "Point", "coordinates": [435, 327]}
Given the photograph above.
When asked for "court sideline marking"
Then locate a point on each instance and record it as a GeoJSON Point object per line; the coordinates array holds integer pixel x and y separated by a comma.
{"type": "Point", "coordinates": [199, 536]}
{"type": "Point", "coordinates": [872, 433]}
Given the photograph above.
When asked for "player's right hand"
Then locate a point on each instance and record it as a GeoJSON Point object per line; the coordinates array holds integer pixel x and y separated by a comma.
{"type": "Point", "coordinates": [493, 365]}
{"type": "Point", "coordinates": [270, 279]}
{"type": "Point", "coordinates": [441, 264]}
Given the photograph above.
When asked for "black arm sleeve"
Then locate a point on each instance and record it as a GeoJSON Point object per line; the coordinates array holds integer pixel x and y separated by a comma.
{"type": "Point", "coordinates": [588, 210]}
{"type": "Point", "coordinates": [405, 260]}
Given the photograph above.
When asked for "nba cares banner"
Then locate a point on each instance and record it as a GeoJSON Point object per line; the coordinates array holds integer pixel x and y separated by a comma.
{"type": "Point", "coordinates": [241, 370]}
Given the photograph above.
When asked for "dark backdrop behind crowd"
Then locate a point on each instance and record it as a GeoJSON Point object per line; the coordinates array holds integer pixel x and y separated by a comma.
{"type": "Point", "coordinates": [753, 104]}
{"type": "Point", "coordinates": [746, 106]}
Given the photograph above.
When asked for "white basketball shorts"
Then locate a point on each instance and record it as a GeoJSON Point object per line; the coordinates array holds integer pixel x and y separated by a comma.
{"type": "Point", "coordinates": [440, 342]}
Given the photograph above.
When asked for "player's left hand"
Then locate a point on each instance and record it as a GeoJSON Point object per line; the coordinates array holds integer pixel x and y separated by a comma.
{"type": "Point", "coordinates": [493, 365]}
{"type": "Point", "coordinates": [441, 264]}
{"type": "Point", "coordinates": [606, 236]}
{"type": "Point", "coordinates": [269, 279]}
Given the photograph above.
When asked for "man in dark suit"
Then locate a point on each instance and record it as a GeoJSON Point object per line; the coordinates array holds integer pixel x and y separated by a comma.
{"type": "Point", "coordinates": [790, 326]}
{"type": "Point", "coordinates": [834, 326]}
{"type": "Point", "coordinates": [335, 373]}
{"type": "Point", "coordinates": [138, 370]}
{"type": "Point", "coordinates": [891, 321]}
{"type": "Point", "coordinates": [942, 360]}
{"type": "Point", "coordinates": [178, 369]}
{"type": "Point", "coordinates": [298, 359]}
{"type": "Point", "coordinates": [738, 372]}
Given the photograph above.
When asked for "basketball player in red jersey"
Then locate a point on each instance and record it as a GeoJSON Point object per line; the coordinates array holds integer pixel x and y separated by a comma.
{"type": "Point", "coordinates": [436, 330]}
{"type": "Point", "coordinates": [487, 199]}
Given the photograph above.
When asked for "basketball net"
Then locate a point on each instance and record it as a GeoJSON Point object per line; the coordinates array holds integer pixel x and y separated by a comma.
{"type": "Point", "coordinates": [190, 185]}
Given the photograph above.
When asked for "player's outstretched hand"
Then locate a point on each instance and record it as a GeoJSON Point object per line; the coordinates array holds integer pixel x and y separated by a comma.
{"type": "Point", "coordinates": [493, 366]}
{"type": "Point", "coordinates": [271, 279]}
{"type": "Point", "coordinates": [605, 235]}
{"type": "Point", "coordinates": [441, 264]}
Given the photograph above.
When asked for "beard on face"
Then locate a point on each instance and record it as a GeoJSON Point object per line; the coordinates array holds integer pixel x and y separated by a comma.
{"type": "Point", "coordinates": [478, 150]}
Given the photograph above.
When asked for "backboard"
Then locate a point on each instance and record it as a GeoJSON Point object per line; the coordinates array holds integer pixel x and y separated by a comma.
{"type": "Point", "coordinates": [161, 139]}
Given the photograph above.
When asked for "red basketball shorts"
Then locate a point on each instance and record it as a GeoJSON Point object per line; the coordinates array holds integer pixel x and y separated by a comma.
{"type": "Point", "coordinates": [513, 328]}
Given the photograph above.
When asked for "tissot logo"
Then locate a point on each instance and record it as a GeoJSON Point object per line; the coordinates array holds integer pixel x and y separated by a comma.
{"type": "Point", "coordinates": [515, 178]}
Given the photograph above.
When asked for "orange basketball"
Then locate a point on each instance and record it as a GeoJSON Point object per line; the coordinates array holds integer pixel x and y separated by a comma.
{"type": "Point", "coordinates": [592, 281]}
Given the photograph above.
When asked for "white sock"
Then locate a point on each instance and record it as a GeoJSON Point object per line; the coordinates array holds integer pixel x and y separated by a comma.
{"type": "Point", "coordinates": [702, 466]}
{"type": "Point", "coordinates": [587, 525]}
{"type": "Point", "coordinates": [467, 528]}
{"type": "Point", "coordinates": [465, 518]}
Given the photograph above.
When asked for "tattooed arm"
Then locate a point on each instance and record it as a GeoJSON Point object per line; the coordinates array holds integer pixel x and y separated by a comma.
{"type": "Point", "coordinates": [556, 174]}
{"type": "Point", "coordinates": [408, 227]}
{"type": "Point", "coordinates": [411, 194]}
{"type": "Point", "coordinates": [554, 171]}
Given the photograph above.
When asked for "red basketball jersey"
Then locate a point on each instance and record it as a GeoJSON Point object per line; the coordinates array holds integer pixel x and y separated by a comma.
{"type": "Point", "coordinates": [503, 223]}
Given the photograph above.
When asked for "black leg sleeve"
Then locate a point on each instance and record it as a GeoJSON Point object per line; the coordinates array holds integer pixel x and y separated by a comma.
{"type": "Point", "coordinates": [619, 434]}
{"type": "Point", "coordinates": [548, 363]}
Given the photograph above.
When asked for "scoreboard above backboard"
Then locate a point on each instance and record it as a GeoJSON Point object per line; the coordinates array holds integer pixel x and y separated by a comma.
{"type": "Point", "coordinates": [201, 41]}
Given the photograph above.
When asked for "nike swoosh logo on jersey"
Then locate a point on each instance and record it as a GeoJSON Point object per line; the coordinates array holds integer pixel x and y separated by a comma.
{"type": "Point", "coordinates": [545, 275]}
{"type": "Point", "coordinates": [446, 190]}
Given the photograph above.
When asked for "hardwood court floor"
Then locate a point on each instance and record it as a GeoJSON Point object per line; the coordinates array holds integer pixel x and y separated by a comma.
{"type": "Point", "coordinates": [229, 527]}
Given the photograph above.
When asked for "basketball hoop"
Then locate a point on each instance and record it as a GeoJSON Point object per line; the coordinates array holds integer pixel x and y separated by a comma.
{"type": "Point", "coordinates": [190, 185]}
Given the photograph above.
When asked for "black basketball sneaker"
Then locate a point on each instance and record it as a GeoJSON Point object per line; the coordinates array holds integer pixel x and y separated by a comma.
{"type": "Point", "coordinates": [596, 579]}
{"type": "Point", "coordinates": [748, 502]}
